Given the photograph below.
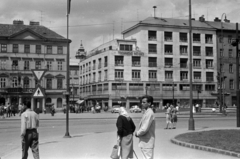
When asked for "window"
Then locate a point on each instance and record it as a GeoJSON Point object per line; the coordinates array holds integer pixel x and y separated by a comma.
{"type": "Point", "coordinates": [183, 63]}
{"type": "Point", "coordinates": [49, 83]}
{"type": "Point", "coordinates": [49, 65]}
{"type": "Point", "coordinates": [94, 77]}
{"type": "Point", "coordinates": [135, 86]}
{"type": "Point", "coordinates": [26, 65]}
{"type": "Point", "coordinates": [184, 75]}
{"type": "Point", "coordinates": [169, 75]}
{"type": "Point", "coordinates": [27, 48]}
{"type": "Point", "coordinates": [59, 83]}
{"type": "Point", "coordinates": [184, 87]}
{"type": "Point", "coordinates": [196, 38]}
{"type": "Point", "coordinates": [125, 47]}
{"type": "Point", "coordinates": [49, 49]}
{"type": "Point", "coordinates": [14, 82]}
{"type": "Point", "coordinates": [168, 87]}
{"type": "Point", "coordinates": [119, 86]}
{"type": "Point", "coordinates": [105, 74]}
{"type": "Point", "coordinates": [152, 35]}
{"type": "Point", "coordinates": [197, 87]}
{"type": "Point", "coordinates": [208, 38]}
{"type": "Point", "coordinates": [152, 74]}
{"type": "Point", "coordinates": [183, 49]}
{"type": "Point", "coordinates": [221, 53]}
{"type": "Point", "coordinates": [230, 68]}
{"type": "Point", "coordinates": [209, 76]}
{"type": "Point", "coordinates": [183, 37]}
{"type": "Point", "coordinates": [99, 75]}
{"type": "Point", "coordinates": [26, 82]}
{"type": "Point", "coordinates": [60, 50]}
{"type": "Point", "coordinates": [118, 73]}
{"type": "Point", "coordinates": [38, 49]}
{"type": "Point", "coordinates": [119, 60]}
{"type": "Point", "coordinates": [152, 48]}
{"type": "Point", "coordinates": [168, 36]}
{"type": "Point", "coordinates": [229, 39]}
{"type": "Point", "coordinates": [209, 63]}
{"type": "Point", "coordinates": [99, 63]}
{"type": "Point", "coordinates": [136, 61]}
{"type": "Point", "coordinates": [2, 82]}
{"type": "Point", "coordinates": [136, 74]}
{"type": "Point", "coordinates": [230, 53]}
{"type": "Point", "coordinates": [168, 49]}
{"type": "Point", "coordinates": [37, 65]}
{"type": "Point", "coordinates": [168, 62]}
{"type": "Point", "coordinates": [209, 87]}
{"type": "Point", "coordinates": [105, 61]}
{"type": "Point", "coordinates": [4, 48]}
{"type": "Point", "coordinates": [60, 67]}
{"type": "Point", "coordinates": [105, 86]}
{"type": "Point", "coordinates": [3, 64]}
{"type": "Point", "coordinates": [196, 51]}
{"type": "Point", "coordinates": [152, 62]}
{"type": "Point", "coordinates": [15, 64]}
{"type": "Point", "coordinates": [209, 51]}
{"type": "Point", "coordinates": [15, 48]}
{"type": "Point", "coordinates": [231, 84]}
{"type": "Point", "coordinates": [197, 75]}
{"type": "Point", "coordinates": [196, 63]}
{"type": "Point", "coordinates": [94, 64]}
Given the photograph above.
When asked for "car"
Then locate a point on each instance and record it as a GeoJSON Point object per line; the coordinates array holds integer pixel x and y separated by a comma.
{"type": "Point", "coordinates": [135, 109]}
{"type": "Point", "coordinates": [115, 109]}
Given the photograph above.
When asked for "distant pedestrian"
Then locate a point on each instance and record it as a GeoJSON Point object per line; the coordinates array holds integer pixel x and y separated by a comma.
{"type": "Point", "coordinates": [146, 131]}
{"type": "Point", "coordinates": [8, 110]}
{"type": "Point", "coordinates": [197, 107]}
{"type": "Point", "coordinates": [126, 128]}
{"type": "Point", "coordinates": [168, 116]}
{"type": "Point", "coordinates": [174, 118]}
{"type": "Point", "coordinates": [29, 134]}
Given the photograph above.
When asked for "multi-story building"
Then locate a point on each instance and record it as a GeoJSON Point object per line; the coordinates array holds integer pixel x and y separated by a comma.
{"type": "Point", "coordinates": [24, 48]}
{"type": "Point", "coordinates": [153, 59]}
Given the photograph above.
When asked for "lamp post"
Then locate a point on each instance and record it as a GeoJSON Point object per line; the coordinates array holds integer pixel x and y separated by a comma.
{"type": "Point", "coordinates": [191, 120]}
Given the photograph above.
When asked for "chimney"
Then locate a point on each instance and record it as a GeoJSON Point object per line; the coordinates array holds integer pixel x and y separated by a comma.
{"type": "Point", "coordinates": [217, 19]}
{"type": "Point", "coordinates": [154, 8]}
{"type": "Point", "coordinates": [18, 22]}
{"type": "Point", "coordinates": [202, 19]}
{"type": "Point", "coordinates": [33, 23]}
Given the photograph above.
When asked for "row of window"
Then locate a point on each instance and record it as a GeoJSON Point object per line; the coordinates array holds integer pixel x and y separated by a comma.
{"type": "Point", "coordinates": [15, 83]}
{"type": "Point", "coordinates": [30, 49]}
{"type": "Point", "coordinates": [152, 76]}
{"type": "Point", "coordinates": [39, 64]}
{"type": "Point", "coordinates": [183, 37]}
{"type": "Point", "coordinates": [149, 87]}
{"type": "Point", "coordinates": [92, 65]}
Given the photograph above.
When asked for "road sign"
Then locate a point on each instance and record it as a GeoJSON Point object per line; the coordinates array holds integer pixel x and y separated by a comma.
{"type": "Point", "coordinates": [38, 92]}
{"type": "Point", "coordinates": [39, 73]}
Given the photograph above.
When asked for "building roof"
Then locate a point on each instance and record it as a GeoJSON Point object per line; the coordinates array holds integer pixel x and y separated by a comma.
{"type": "Point", "coordinates": [182, 23]}
{"type": "Point", "coordinates": [7, 30]}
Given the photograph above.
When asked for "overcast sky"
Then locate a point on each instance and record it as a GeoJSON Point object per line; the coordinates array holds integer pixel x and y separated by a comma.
{"type": "Point", "coordinates": [94, 21]}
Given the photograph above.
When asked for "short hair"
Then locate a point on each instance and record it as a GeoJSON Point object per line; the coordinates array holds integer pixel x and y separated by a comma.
{"type": "Point", "coordinates": [149, 98]}
{"type": "Point", "coordinates": [28, 104]}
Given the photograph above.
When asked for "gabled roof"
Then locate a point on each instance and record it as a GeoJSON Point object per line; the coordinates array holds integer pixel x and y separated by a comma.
{"type": "Point", "coordinates": [7, 30]}
{"type": "Point", "coordinates": [181, 23]}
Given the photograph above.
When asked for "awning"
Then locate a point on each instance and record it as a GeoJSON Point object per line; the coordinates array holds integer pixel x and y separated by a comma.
{"type": "Point", "coordinates": [80, 101]}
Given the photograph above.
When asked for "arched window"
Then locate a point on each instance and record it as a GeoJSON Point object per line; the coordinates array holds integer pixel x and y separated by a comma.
{"type": "Point", "coordinates": [59, 103]}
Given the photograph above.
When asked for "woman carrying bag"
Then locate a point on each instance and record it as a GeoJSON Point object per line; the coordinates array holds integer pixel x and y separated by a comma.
{"type": "Point", "coordinates": [125, 132]}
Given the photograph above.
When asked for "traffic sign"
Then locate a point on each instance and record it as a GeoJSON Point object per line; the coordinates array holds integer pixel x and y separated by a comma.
{"type": "Point", "coordinates": [39, 73]}
{"type": "Point", "coordinates": [38, 92]}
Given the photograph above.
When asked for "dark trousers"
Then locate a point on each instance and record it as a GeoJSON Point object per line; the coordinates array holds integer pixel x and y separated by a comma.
{"type": "Point", "coordinates": [30, 140]}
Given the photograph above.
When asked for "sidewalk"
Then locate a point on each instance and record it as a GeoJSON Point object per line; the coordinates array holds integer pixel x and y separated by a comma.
{"type": "Point", "coordinates": [99, 145]}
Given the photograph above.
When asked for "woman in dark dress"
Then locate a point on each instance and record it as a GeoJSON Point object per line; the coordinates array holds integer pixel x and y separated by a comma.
{"type": "Point", "coordinates": [126, 128]}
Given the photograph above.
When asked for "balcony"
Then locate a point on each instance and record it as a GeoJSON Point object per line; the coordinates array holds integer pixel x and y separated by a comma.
{"type": "Point", "coordinates": [152, 38]}
{"type": "Point", "coordinates": [183, 65]}
{"type": "Point", "coordinates": [118, 63]}
{"type": "Point", "coordinates": [209, 79]}
{"type": "Point", "coordinates": [196, 53]}
{"type": "Point", "coordinates": [209, 53]}
{"type": "Point", "coordinates": [197, 66]}
{"type": "Point", "coordinates": [152, 64]}
{"type": "Point", "coordinates": [136, 64]}
{"type": "Point", "coordinates": [168, 65]}
{"type": "Point", "coordinates": [152, 51]}
{"type": "Point", "coordinates": [209, 66]}
{"type": "Point", "coordinates": [196, 40]}
{"type": "Point", "coordinates": [183, 39]}
{"type": "Point", "coordinates": [166, 38]}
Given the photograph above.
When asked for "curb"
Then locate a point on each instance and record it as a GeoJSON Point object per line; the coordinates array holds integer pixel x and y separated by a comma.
{"type": "Point", "coordinates": [205, 148]}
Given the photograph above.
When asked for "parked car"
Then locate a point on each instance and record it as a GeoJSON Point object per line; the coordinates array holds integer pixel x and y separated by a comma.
{"type": "Point", "coordinates": [115, 109]}
{"type": "Point", "coordinates": [135, 109]}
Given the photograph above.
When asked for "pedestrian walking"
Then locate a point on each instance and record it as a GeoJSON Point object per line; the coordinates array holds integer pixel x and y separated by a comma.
{"type": "Point", "coordinates": [125, 130]}
{"type": "Point", "coordinates": [8, 110]}
{"type": "Point", "coordinates": [168, 116]}
{"type": "Point", "coordinates": [174, 118]}
{"type": "Point", "coordinates": [146, 131]}
{"type": "Point", "coordinates": [29, 134]}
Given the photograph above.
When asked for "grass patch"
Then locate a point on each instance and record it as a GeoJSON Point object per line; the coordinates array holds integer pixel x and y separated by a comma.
{"type": "Point", "coordinates": [221, 139]}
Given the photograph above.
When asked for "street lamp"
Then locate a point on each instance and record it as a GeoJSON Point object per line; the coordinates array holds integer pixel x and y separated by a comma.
{"type": "Point", "coordinates": [191, 120]}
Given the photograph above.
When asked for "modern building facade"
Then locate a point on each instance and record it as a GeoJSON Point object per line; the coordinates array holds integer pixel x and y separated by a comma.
{"type": "Point", "coordinates": [24, 48]}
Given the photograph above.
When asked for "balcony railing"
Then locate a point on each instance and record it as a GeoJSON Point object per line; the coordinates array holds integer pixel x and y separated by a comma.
{"type": "Point", "coordinates": [152, 64]}
{"type": "Point", "coordinates": [183, 65]}
{"type": "Point", "coordinates": [196, 53]}
{"type": "Point", "coordinates": [196, 40]}
{"type": "Point", "coordinates": [136, 63]}
{"type": "Point", "coordinates": [168, 38]}
{"type": "Point", "coordinates": [168, 52]}
{"type": "Point", "coordinates": [168, 65]}
{"type": "Point", "coordinates": [209, 79]}
{"type": "Point", "coordinates": [209, 53]}
{"type": "Point", "coordinates": [183, 39]}
{"type": "Point", "coordinates": [152, 38]}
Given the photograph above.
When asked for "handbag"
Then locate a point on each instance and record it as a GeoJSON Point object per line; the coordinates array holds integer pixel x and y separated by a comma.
{"type": "Point", "coordinates": [116, 151]}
